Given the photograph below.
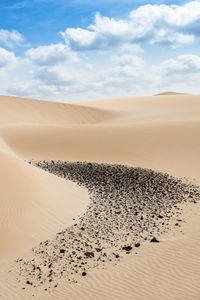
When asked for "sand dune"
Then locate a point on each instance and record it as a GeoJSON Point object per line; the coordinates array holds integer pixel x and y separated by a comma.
{"type": "Point", "coordinates": [26, 111]}
{"type": "Point", "coordinates": [159, 132]}
{"type": "Point", "coordinates": [161, 145]}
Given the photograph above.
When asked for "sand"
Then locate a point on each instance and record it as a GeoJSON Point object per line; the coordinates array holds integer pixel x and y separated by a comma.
{"type": "Point", "coordinates": [159, 132]}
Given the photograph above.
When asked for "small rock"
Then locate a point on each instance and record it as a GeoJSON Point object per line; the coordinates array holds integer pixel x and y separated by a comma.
{"type": "Point", "coordinates": [89, 254]}
{"type": "Point", "coordinates": [127, 248]}
{"type": "Point", "coordinates": [98, 249]}
{"type": "Point", "coordinates": [154, 240]}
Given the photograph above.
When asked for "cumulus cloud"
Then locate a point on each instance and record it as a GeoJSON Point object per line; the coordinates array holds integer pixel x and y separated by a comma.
{"type": "Point", "coordinates": [7, 58]}
{"type": "Point", "coordinates": [79, 36]}
{"type": "Point", "coordinates": [122, 75]}
{"type": "Point", "coordinates": [153, 24]}
{"type": "Point", "coordinates": [62, 72]}
{"type": "Point", "coordinates": [182, 65]}
{"type": "Point", "coordinates": [128, 66]}
{"type": "Point", "coordinates": [54, 76]}
{"type": "Point", "coordinates": [51, 55]}
{"type": "Point", "coordinates": [10, 38]}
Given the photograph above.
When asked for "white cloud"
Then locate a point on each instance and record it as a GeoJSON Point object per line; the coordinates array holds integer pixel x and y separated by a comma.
{"type": "Point", "coordinates": [128, 66]}
{"type": "Point", "coordinates": [10, 38]}
{"type": "Point", "coordinates": [60, 72]}
{"type": "Point", "coordinates": [168, 25]}
{"type": "Point", "coordinates": [7, 58]}
{"type": "Point", "coordinates": [51, 55]}
{"type": "Point", "coordinates": [182, 65]}
{"type": "Point", "coordinates": [80, 36]}
{"type": "Point", "coordinates": [109, 25]}
{"type": "Point", "coordinates": [56, 76]}
{"type": "Point", "coordinates": [174, 15]}
{"type": "Point", "coordinates": [122, 75]}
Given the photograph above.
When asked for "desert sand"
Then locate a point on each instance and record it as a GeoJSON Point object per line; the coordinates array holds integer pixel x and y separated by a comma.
{"type": "Point", "coordinates": [160, 132]}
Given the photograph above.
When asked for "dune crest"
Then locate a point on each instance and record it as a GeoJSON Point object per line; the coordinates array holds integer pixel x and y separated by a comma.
{"type": "Point", "coordinates": [170, 93]}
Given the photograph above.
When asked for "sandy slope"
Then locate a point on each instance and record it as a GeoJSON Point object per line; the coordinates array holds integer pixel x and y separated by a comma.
{"type": "Point", "coordinates": [26, 111]}
{"type": "Point", "coordinates": [34, 205]}
{"type": "Point", "coordinates": [159, 132]}
{"type": "Point", "coordinates": [154, 132]}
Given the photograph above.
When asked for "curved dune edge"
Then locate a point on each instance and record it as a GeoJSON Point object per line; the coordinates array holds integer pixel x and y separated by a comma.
{"type": "Point", "coordinates": [158, 145]}
{"type": "Point", "coordinates": [20, 111]}
{"type": "Point", "coordinates": [34, 205]}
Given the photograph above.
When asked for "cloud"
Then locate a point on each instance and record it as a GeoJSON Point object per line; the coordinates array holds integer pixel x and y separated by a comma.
{"type": "Point", "coordinates": [182, 65]}
{"type": "Point", "coordinates": [10, 38]}
{"type": "Point", "coordinates": [7, 58]}
{"type": "Point", "coordinates": [51, 55]}
{"type": "Point", "coordinates": [60, 72]}
{"type": "Point", "coordinates": [152, 24]}
{"type": "Point", "coordinates": [57, 76]}
{"type": "Point", "coordinates": [128, 66]}
{"type": "Point", "coordinates": [122, 75]}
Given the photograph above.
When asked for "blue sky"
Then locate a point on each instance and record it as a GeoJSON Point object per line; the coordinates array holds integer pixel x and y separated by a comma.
{"type": "Point", "coordinates": [41, 20]}
{"type": "Point", "coordinates": [72, 50]}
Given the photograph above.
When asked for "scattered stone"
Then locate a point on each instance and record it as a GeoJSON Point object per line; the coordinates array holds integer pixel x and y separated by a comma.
{"type": "Point", "coordinates": [89, 254]}
{"type": "Point", "coordinates": [126, 205]}
{"type": "Point", "coordinates": [127, 248]}
{"type": "Point", "coordinates": [154, 240]}
{"type": "Point", "coordinates": [98, 249]}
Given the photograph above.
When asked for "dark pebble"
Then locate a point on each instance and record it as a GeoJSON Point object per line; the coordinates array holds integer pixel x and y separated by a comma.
{"type": "Point", "coordinates": [154, 240]}
{"type": "Point", "coordinates": [127, 248]}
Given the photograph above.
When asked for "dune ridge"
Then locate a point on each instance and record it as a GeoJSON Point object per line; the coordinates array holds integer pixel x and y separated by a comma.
{"type": "Point", "coordinates": [16, 110]}
{"type": "Point", "coordinates": [170, 93]}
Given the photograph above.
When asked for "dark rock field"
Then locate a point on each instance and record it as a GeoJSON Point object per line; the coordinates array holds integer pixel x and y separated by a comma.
{"type": "Point", "coordinates": [128, 206]}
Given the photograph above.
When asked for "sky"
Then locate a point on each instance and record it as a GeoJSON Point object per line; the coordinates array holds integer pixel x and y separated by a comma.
{"type": "Point", "coordinates": [91, 49]}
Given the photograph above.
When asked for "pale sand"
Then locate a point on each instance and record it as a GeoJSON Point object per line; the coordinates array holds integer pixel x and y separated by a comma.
{"type": "Point", "coordinates": [158, 132]}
